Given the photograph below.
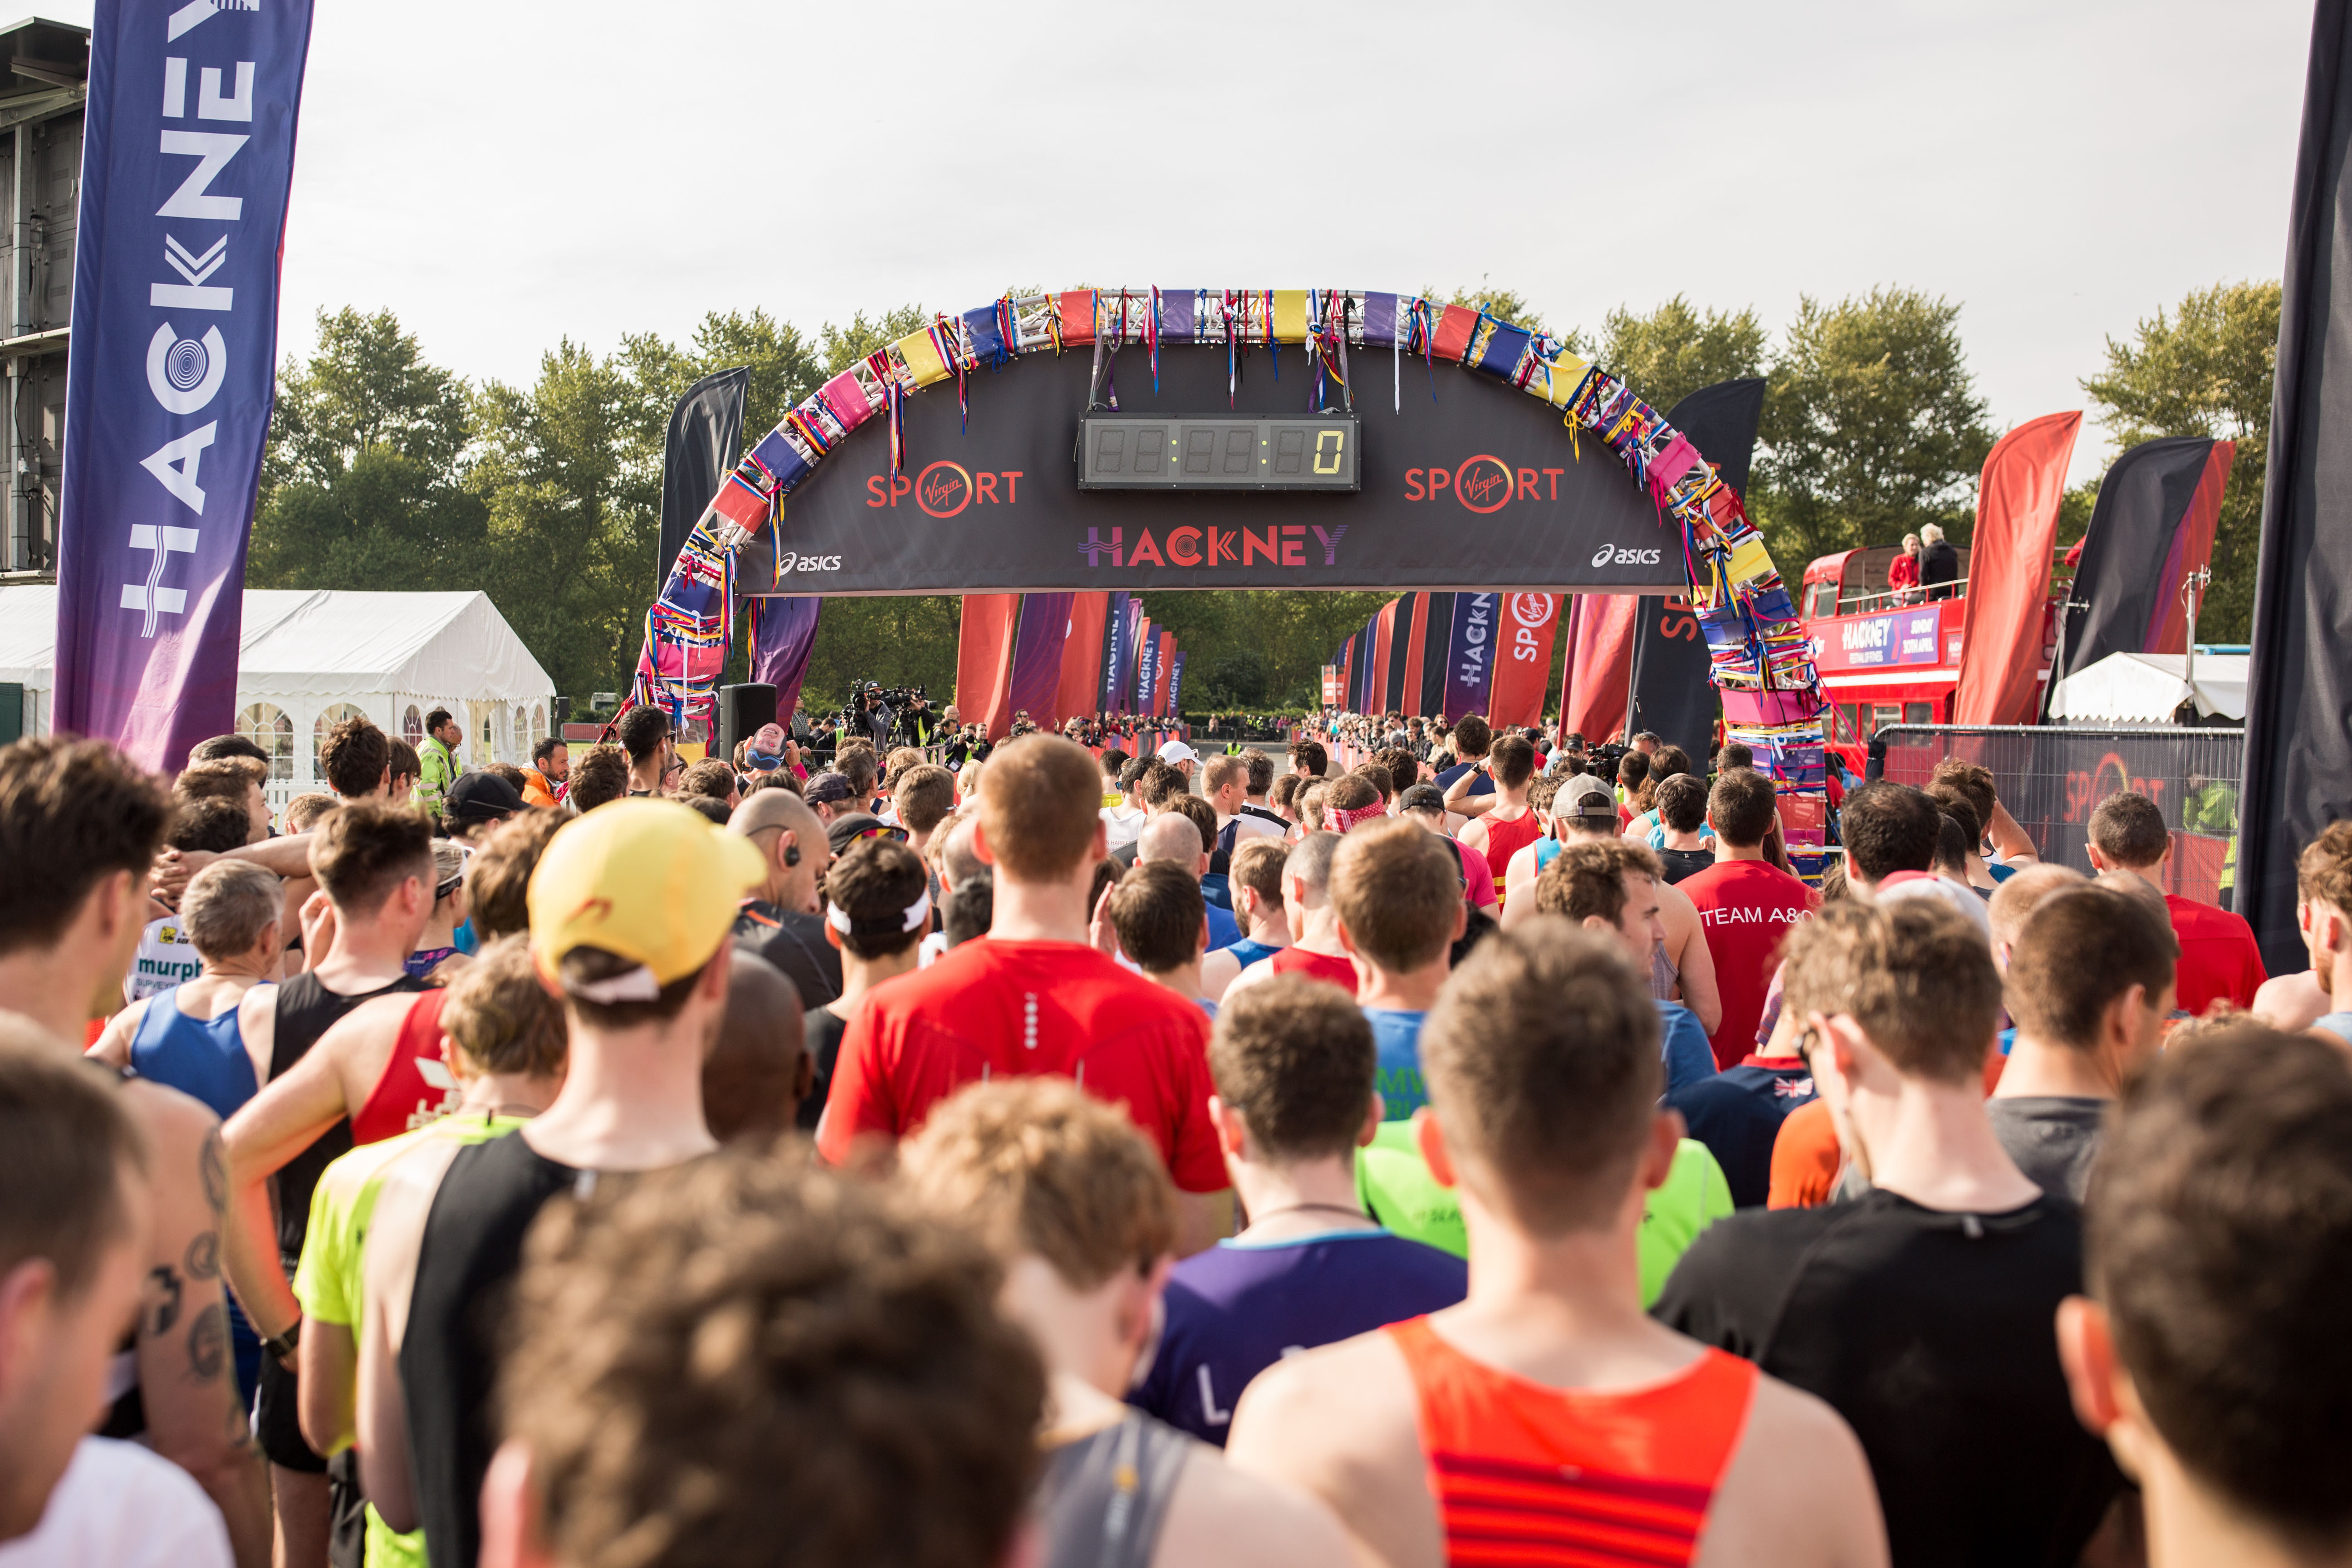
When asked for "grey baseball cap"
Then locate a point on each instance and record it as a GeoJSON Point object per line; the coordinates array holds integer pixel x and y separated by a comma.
{"type": "Point", "coordinates": [1585, 796]}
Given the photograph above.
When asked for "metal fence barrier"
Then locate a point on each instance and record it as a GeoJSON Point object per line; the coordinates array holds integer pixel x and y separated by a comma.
{"type": "Point", "coordinates": [2052, 778]}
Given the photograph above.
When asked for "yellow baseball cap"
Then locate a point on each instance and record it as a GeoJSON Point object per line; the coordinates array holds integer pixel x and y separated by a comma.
{"type": "Point", "coordinates": [648, 879]}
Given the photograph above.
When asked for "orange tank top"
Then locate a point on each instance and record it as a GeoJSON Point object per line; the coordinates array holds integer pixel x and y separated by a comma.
{"type": "Point", "coordinates": [1526, 1474]}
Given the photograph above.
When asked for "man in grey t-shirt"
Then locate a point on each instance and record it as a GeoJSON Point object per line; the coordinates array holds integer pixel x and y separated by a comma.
{"type": "Point", "coordinates": [2090, 983]}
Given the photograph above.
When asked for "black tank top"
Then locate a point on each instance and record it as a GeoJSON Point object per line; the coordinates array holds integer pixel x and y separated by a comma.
{"type": "Point", "coordinates": [465, 1263]}
{"type": "Point", "coordinates": [305, 1011]}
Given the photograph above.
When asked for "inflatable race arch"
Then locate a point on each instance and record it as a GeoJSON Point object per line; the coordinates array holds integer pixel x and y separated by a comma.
{"type": "Point", "coordinates": [1263, 438]}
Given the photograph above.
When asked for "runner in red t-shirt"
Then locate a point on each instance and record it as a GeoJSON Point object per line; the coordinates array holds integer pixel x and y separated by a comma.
{"type": "Point", "coordinates": [2219, 960]}
{"type": "Point", "coordinates": [1746, 906]}
{"type": "Point", "coordinates": [1034, 996]}
{"type": "Point", "coordinates": [1315, 949]}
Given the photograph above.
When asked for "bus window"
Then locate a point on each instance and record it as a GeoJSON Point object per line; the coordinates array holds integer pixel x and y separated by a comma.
{"type": "Point", "coordinates": [1919, 712]}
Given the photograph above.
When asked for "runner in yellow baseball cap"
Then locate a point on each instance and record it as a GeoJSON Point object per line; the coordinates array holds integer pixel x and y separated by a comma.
{"type": "Point", "coordinates": [643, 880]}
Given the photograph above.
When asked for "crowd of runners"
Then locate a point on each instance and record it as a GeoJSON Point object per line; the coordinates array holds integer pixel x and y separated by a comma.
{"type": "Point", "coordinates": [1489, 1153]}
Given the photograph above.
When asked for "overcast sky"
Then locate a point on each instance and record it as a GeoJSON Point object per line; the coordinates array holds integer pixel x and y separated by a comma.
{"type": "Point", "coordinates": [502, 175]}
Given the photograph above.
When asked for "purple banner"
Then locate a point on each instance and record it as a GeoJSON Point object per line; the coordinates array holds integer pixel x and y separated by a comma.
{"type": "Point", "coordinates": [783, 634]}
{"type": "Point", "coordinates": [1038, 653]}
{"type": "Point", "coordinates": [1176, 686]}
{"type": "Point", "coordinates": [1109, 684]}
{"type": "Point", "coordinates": [1131, 666]}
{"type": "Point", "coordinates": [1147, 671]}
{"type": "Point", "coordinates": [1469, 654]}
{"type": "Point", "coordinates": [187, 152]}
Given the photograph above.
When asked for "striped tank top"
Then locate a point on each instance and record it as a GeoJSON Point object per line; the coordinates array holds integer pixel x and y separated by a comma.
{"type": "Point", "coordinates": [1524, 1473]}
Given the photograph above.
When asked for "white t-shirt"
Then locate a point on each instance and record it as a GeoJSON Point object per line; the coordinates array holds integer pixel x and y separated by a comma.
{"type": "Point", "coordinates": [120, 1506]}
{"type": "Point", "coordinates": [1250, 827]}
{"type": "Point", "coordinates": [166, 957]}
{"type": "Point", "coordinates": [1122, 826]}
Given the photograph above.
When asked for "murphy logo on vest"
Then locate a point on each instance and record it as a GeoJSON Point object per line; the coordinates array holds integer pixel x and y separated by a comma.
{"type": "Point", "coordinates": [1484, 483]}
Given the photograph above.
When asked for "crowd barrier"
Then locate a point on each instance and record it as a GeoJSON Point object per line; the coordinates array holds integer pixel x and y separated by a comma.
{"type": "Point", "coordinates": [2052, 778]}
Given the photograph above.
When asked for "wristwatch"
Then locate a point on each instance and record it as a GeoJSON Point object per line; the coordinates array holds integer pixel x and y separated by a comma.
{"type": "Point", "coordinates": [279, 1346]}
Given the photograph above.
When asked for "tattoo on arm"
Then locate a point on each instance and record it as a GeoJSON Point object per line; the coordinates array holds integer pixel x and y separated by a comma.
{"type": "Point", "coordinates": [203, 1261]}
{"type": "Point", "coordinates": [208, 1344]}
{"type": "Point", "coordinates": [167, 1310]}
{"type": "Point", "coordinates": [215, 1169]}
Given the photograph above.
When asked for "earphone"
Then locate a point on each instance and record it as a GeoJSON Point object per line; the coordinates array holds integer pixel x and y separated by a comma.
{"type": "Point", "coordinates": [791, 854]}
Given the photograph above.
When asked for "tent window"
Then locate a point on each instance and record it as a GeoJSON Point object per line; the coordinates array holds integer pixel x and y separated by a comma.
{"type": "Point", "coordinates": [521, 733]}
{"type": "Point", "coordinates": [538, 723]}
{"type": "Point", "coordinates": [412, 726]}
{"type": "Point", "coordinates": [333, 715]}
{"type": "Point", "coordinates": [490, 741]}
{"type": "Point", "coordinates": [273, 731]}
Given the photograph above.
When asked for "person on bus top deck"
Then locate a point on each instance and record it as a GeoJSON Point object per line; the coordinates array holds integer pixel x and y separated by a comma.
{"type": "Point", "coordinates": [1939, 563]}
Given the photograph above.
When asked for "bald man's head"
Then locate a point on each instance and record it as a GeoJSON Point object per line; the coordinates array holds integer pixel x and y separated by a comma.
{"type": "Point", "coordinates": [958, 862]}
{"type": "Point", "coordinates": [1171, 836]}
{"type": "Point", "coordinates": [758, 1071]}
{"type": "Point", "coordinates": [796, 856]}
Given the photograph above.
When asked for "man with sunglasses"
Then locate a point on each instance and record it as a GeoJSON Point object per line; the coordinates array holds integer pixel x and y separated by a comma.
{"type": "Point", "coordinates": [778, 922]}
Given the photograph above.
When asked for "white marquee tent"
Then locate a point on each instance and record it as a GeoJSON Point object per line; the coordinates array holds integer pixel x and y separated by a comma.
{"type": "Point", "coordinates": [2149, 687]}
{"type": "Point", "coordinates": [306, 660]}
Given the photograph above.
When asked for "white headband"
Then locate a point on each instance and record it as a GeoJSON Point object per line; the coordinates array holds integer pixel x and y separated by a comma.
{"type": "Point", "coordinates": [637, 985]}
{"type": "Point", "coordinates": [917, 914]}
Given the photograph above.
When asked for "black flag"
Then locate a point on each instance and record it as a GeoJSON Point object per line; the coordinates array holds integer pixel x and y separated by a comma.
{"type": "Point", "coordinates": [706, 440]}
{"type": "Point", "coordinates": [2298, 747]}
{"type": "Point", "coordinates": [1672, 686]}
{"type": "Point", "coordinates": [2153, 522]}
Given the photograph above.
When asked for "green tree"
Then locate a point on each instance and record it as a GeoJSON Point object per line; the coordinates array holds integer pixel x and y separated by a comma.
{"type": "Point", "coordinates": [361, 481]}
{"type": "Point", "coordinates": [1674, 351]}
{"type": "Point", "coordinates": [573, 511]}
{"type": "Point", "coordinates": [2206, 369]}
{"type": "Point", "coordinates": [1872, 427]}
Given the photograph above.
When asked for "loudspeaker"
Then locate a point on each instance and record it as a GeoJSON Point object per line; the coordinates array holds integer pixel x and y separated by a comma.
{"type": "Point", "coordinates": [742, 711]}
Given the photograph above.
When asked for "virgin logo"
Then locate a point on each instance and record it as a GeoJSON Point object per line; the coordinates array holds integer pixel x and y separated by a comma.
{"type": "Point", "coordinates": [1534, 610]}
{"type": "Point", "coordinates": [1482, 484]}
{"type": "Point", "coordinates": [943, 489]}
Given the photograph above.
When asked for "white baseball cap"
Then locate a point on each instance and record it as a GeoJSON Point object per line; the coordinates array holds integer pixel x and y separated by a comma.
{"type": "Point", "coordinates": [1176, 751]}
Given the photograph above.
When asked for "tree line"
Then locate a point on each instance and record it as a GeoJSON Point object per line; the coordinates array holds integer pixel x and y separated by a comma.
{"type": "Point", "coordinates": [386, 471]}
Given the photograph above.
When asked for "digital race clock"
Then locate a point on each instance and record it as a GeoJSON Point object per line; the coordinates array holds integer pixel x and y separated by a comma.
{"type": "Point", "coordinates": [1180, 452]}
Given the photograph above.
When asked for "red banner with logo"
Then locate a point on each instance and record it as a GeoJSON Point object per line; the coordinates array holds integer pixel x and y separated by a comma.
{"type": "Point", "coordinates": [1415, 652]}
{"type": "Point", "coordinates": [2009, 571]}
{"type": "Point", "coordinates": [1600, 665]}
{"type": "Point", "coordinates": [1082, 657]}
{"type": "Point", "coordinates": [1529, 625]}
{"type": "Point", "coordinates": [1384, 633]}
{"type": "Point", "coordinates": [984, 660]}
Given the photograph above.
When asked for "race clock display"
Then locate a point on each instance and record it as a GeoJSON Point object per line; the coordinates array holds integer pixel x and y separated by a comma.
{"type": "Point", "coordinates": [1165, 452]}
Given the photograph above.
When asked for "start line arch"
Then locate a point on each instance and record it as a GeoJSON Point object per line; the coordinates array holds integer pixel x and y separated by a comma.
{"type": "Point", "coordinates": [1214, 459]}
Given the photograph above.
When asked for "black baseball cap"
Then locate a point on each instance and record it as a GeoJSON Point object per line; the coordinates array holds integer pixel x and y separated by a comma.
{"type": "Point", "coordinates": [1421, 797]}
{"type": "Point", "coordinates": [826, 788]}
{"type": "Point", "coordinates": [482, 798]}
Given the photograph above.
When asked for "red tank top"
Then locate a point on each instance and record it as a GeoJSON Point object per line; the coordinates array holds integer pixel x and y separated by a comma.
{"type": "Point", "coordinates": [1339, 972]}
{"type": "Point", "coordinates": [418, 1086]}
{"type": "Point", "coordinates": [1505, 839]}
{"type": "Point", "coordinates": [1524, 1473]}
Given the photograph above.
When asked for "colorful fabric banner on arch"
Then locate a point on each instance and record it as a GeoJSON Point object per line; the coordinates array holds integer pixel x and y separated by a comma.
{"type": "Point", "coordinates": [1760, 656]}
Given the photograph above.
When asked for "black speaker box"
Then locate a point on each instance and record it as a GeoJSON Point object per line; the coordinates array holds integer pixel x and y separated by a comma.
{"type": "Point", "coordinates": [742, 711]}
